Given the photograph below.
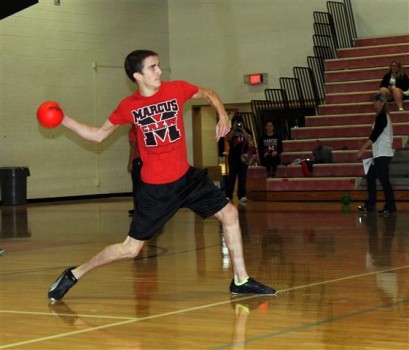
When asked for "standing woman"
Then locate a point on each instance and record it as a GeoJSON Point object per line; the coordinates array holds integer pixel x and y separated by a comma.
{"type": "Point", "coordinates": [272, 148]}
{"type": "Point", "coordinates": [395, 84]}
{"type": "Point", "coordinates": [381, 140]}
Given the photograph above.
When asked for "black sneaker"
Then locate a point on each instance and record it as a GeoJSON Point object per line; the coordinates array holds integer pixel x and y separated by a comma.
{"type": "Point", "coordinates": [251, 287]}
{"type": "Point", "coordinates": [62, 285]}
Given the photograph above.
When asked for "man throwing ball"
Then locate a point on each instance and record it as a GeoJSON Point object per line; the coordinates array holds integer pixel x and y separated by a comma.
{"type": "Point", "coordinates": [168, 181]}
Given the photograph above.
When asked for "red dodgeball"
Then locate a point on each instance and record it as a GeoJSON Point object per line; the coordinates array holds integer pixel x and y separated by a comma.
{"type": "Point", "coordinates": [50, 114]}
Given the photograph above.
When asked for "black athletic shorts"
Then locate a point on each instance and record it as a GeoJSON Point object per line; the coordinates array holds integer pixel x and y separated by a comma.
{"type": "Point", "coordinates": [156, 204]}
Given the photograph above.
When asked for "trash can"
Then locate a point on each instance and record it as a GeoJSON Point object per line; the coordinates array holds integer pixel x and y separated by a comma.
{"type": "Point", "coordinates": [13, 185]}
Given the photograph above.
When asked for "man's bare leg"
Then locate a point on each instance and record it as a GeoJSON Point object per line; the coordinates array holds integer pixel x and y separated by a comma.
{"type": "Point", "coordinates": [241, 283]}
{"type": "Point", "coordinates": [130, 248]}
{"type": "Point", "coordinates": [229, 218]}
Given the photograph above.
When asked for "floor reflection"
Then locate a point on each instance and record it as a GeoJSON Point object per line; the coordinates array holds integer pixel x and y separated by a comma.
{"type": "Point", "coordinates": [242, 308]}
{"type": "Point", "coordinates": [145, 270]}
{"type": "Point", "coordinates": [381, 233]}
{"type": "Point", "coordinates": [14, 222]}
{"type": "Point", "coordinates": [341, 279]}
{"type": "Point", "coordinates": [97, 337]}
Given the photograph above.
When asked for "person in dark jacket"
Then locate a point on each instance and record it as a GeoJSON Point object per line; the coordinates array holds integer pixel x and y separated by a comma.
{"type": "Point", "coordinates": [395, 84]}
{"type": "Point", "coordinates": [239, 139]}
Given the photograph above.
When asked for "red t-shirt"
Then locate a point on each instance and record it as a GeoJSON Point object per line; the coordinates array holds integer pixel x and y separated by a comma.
{"type": "Point", "coordinates": [160, 130]}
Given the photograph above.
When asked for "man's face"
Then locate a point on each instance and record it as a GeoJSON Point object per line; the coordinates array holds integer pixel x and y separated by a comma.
{"type": "Point", "coordinates": [151, 73]}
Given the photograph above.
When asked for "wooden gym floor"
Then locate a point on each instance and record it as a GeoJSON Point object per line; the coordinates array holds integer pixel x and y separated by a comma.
{"type": "Point", "coordinates": [343, 280]}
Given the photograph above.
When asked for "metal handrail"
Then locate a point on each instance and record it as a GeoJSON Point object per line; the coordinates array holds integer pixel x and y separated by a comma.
{"type": "Point", "coordinates": [333, 30]}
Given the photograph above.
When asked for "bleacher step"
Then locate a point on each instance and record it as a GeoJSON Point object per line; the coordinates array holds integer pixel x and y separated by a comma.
{"type": "Point", "coordinates": [374, 50]}
{"type": "Point", "coordinates": [341, 143]}
{"type": "Point", "coordinates": [338, 156]}
{"type": "Point", "coordinates": [355, 108]}
{"type": "Point", "coordinates": [352, 119]}
{"type": "Point", "coordinates": [365, 73]}
{"type": "Point", "coordinates": [381, 40]}
{"type": "Point", "coordinates": [322, 170]}
{"type": "Point", "coordinates": [352, 86]}
{"type": "Point", "coordinates": [349, 97]}
{"type": "Point", "coordinates": [313, 184]}
{"type": "Point", "coordinates": [365, 62]}
{"type": "Point", "coordinates": [343, 131]}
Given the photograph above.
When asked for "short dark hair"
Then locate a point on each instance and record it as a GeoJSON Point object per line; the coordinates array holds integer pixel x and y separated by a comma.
{"type": "Point", "coordinates": [134, 62]}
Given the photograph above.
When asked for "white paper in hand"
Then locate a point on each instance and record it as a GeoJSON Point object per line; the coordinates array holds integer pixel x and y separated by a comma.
{"type": "Point", "coordinates": [367, 163]}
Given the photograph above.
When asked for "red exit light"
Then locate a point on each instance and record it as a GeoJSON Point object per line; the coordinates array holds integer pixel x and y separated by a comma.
{"type": "Point", "coordinates": [254, 79]}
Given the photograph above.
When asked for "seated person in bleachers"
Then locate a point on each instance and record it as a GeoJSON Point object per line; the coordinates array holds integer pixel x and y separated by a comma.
{"type": "Point", "coordinates": [272, 147]}
{"type": "Point", "coordinates": [395, 84]}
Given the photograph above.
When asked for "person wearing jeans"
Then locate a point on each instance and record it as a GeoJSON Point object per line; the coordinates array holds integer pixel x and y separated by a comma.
{"type": "Point", "coordinates": [381, 140]}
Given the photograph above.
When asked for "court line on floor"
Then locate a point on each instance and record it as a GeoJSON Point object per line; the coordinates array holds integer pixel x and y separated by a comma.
{"type": "Point", "coordinates": [310, 325]}
{"type": "Point", "coordinates": [325, 321]}
{"type": "Point", "coordinates": [206, 306]}
{"type": "Point", "coordinates": [91, 329]}
{"type": "Point", "coordinates": [61, 335]}
{"type": "Point", "coordinates": [34, 313]}
{"type": "Point", "coordinates": [344, 278]}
